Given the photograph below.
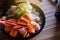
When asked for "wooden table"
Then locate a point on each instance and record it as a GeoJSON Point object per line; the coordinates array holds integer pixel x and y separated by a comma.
{"type": "Point", "coordinates": [51, 30]}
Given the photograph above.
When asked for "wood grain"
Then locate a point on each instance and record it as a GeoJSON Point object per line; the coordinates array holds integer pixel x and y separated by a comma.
{"type": "Point", "coordinates": [51, 30]}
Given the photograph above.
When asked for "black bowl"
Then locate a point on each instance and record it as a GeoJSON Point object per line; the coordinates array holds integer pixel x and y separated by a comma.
{"type": "Point", "coordinates": [42, 17]}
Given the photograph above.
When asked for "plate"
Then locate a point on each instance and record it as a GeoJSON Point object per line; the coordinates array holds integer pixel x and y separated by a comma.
{"type": "Point", "coordinates": [42, 17]}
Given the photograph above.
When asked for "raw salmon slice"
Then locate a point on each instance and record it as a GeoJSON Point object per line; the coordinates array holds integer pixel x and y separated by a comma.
{"type": "Point", "coordinates": [27, 16]}
{"type": "Point", "coordinates": [7, 28]}
{"type": "Point", "coordinates": [31, 29]}
{"type": "Point", "coordinates": [23, 32]}
{"type": "Point", "coordinates": [14, 32]}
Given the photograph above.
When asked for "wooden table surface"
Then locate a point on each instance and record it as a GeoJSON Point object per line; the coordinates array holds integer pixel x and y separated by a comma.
{"type": "Point", "coordinates": [51, 30]}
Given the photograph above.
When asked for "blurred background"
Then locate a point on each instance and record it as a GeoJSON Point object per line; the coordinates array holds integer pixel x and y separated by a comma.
{"type": "Point", "coordinates": [51, 9]}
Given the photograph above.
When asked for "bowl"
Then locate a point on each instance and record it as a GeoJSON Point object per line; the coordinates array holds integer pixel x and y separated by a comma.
{"type": "Point", "coordinates": [42, 23]}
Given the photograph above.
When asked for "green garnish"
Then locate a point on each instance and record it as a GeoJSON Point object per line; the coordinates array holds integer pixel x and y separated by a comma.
{"type": "Point", "coordinates": [23, 8]}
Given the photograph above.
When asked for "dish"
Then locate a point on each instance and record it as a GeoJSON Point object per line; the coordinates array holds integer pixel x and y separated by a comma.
{"type": "Point", "coordinates": [42, 21]}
